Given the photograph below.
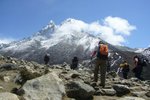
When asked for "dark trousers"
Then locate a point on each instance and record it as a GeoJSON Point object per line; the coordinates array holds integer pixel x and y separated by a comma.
{"type": "Point", "coordinates": [125, 74]}
{"type": "Point", "coordinates": [100, 64]}
{"type": "Point", "coordinates": [74, 65]}
{"type": "Point", "coordinates": [138, 72]}
{"type": "Point", "coordinates": [46, 62]}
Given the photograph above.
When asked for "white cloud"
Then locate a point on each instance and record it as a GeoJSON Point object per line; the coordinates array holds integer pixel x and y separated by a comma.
{"type": "Point", "coordinates": [72, 25]}
{"type": "Point", "coordinates": [119, 25]}
{"type": "Point", "coordinates": [108, 35]}
{"type": "Point", "coordinates": [112, 30]}
{"type": "Point", "coordinates": [6, 40]}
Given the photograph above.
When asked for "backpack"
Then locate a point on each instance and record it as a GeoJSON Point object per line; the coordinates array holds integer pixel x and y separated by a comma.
{"type": "Point", "coordinates": [46, 58]}
{"type": "Point", "coordinates": [102, 51]}
{"type": "Point", "coordinates": [126, 68]}
{"type": "Point", "coordinates": [75, 59]}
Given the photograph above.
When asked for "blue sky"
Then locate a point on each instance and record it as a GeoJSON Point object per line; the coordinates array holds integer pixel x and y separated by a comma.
{"type": "Point", "coordinates": [22, 18]}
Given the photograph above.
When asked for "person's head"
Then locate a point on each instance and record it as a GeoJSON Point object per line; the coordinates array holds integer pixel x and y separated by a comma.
{"type": "Point", "coordinates": [47, 54]}
{"type": "Point", "coordinates": [75, 57]}
{"type": "Point", "coordinates": [136, 56]}
{"type": "Point", "coordinates": [100, 42]}
{"type": "Point", "coordinates": [124, 61]}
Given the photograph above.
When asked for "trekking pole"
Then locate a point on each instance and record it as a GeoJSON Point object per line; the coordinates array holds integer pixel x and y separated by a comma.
{"type": "Point", "coordinates": [91, 62]}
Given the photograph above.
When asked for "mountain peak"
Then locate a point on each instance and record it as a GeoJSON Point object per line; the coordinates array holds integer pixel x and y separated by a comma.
{"type": "Point", "coordinates": [51, 25]}
{"type": "Point", "coordinates": [47, 30]}
{"type": "Point", "coordinates": [72, 21]}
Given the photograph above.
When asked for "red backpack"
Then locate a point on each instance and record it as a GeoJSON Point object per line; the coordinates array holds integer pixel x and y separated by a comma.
{"type": "Point", "coordinates": [102, 51]}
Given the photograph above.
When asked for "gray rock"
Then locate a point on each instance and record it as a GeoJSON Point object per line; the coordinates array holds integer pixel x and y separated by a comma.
{"type": "Point", "coordinates": [131, 98]}
{"type": "Point", "coordinates": [148, 94]}
{"type": "Point", "coordinates": [108, 92]}
{"type": "Point", "coordinates": [6, 78]}
{"type": "Point", "coordinates": [46, 87]}
{"type": "Point", "coordinates": [8, 96]}
{"type": "Point", "coordinates": [125, 82]}
{"type": "Point", "coordinates": [121, 89]}
{"type": "Point", "coordinates": [8, 66]}
{"type": "Point", "coordinates": [75, 75]}
{"type": "Point", "coordinates": [79, 90]}
{"type": "Point", "coordinates": [105, 98]}
{"type": "Point", "coordinates": [112, 74]}
{"type": "Point", "coordinates": [27, 74]}
{"type": "Point", "coordinates": [1, 88]}
{"type": "Point", "coordinates": [138, 94]}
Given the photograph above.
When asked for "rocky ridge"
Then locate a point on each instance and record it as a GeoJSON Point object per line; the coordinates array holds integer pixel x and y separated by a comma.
{"type": "Point", "coordinates": [23, 80]}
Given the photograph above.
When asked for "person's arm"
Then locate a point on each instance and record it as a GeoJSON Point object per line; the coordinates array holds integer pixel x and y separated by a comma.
{"type": "Point", "coordinates": [94, 52]}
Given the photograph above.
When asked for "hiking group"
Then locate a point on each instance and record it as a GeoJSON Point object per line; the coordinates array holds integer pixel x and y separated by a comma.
{"type": "Point", "coordinates": [73, 65]}
{"type": "Point", "coordinates": [100, 55]}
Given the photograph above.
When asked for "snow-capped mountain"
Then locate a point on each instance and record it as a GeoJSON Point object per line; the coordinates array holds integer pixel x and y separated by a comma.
{"type": "Point", "coordinates": [139, 50]}
{"type": "Point", "coordinates": [62, 42]}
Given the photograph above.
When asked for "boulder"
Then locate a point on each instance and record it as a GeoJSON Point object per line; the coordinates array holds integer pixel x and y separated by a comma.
{"type": "Point", "coordinates": [9, 66]}
{"type": "Point", "coordinates": [26, 74]}
{"type": "Point", "coordinates": [121, 89]}
{"type": "Point", "coordinates": [8, 96]}
{"type": "Point", "coordinates": [46, 87]}
{"type": "Point", "coordinates": [79, 90]}
{"type": "Point", "coordinates": [148, 94]}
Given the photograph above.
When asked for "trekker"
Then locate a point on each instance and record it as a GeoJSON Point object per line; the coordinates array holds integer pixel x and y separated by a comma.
{"type": "Point", "coordinates": [101, 53]}
{"type": "Point", "coordinates": [125, 69]}
{"type": "Point", "coordinates": [46, 59]}
{"type": "Point", "coordinates": [74, 64]}
{"type": "Point", "coordinates": [137, 70]}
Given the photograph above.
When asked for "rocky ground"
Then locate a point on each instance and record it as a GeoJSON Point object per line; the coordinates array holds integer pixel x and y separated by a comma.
{"type": "Point", "coordinates": [22, 80]}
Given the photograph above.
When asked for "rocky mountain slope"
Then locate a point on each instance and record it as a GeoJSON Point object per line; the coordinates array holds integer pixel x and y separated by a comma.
{"type": "Point", "coordinates": [23, 80]}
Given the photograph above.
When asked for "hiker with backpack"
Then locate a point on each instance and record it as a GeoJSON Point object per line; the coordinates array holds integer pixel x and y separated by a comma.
{"type": "Point", "coordinates": [101, 53]}
{"type": "Point", "coordinates": [125, 69]}
{"type": "Point", "coordinates": [46, 59]}
{"type": "Point", "coordinates": [139, 62]}
{"type": "Point", "coordinates": [74, 64]}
